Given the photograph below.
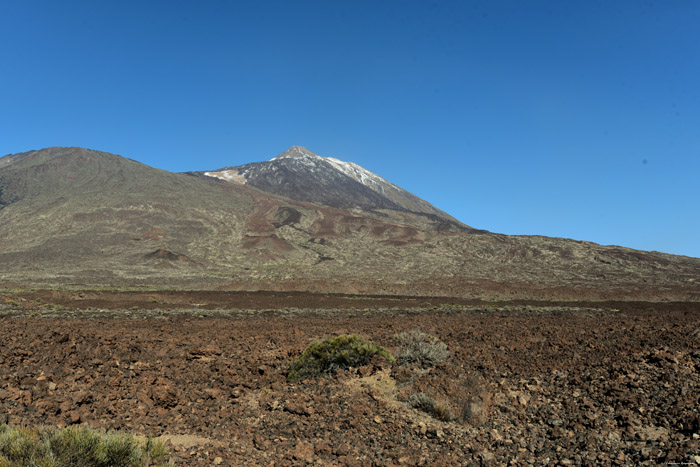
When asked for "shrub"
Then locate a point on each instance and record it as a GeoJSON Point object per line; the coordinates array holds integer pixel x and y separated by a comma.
{"type": "Point", "coordinates": [427, 404]}
{"type": "Point", "coordinates": [332, 354]}
{"type": "Point", "coordinates": [423, 349]}
{"type": "Point", "coordinates": [20, 446]}
{"type": "Point", "coordinates": [78, 446]}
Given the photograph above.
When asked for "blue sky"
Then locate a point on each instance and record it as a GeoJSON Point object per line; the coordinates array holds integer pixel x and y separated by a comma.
{"type": "Point", "coordinates": [560, 118]}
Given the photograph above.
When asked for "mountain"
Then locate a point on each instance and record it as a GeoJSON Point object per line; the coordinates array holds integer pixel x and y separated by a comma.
{"type": "Point", "coordinates": [301, 175]}
{"type": "Point", "coordinates": [73, 217]}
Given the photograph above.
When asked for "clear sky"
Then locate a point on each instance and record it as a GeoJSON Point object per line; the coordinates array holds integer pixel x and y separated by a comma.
{"type": "Point", "coordinates": [576, 119]}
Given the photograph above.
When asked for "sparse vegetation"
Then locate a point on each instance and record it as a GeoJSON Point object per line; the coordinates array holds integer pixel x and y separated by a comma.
{"type": "Point", "coordinates": [328, 356]}
{"type": "Point", "coordinates": [427, 404]}
{"type": "Point", "coordinates": [77, 446]}
{"type": "Point", "coordinates": [420, 348]}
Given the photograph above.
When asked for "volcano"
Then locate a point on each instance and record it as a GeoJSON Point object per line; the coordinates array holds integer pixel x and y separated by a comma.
{"type": "Point", "coordinates": [74, 217]}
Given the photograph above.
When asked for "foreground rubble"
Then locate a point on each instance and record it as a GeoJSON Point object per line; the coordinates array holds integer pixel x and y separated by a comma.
{"type": "Point", "coordinates": [607, 384]}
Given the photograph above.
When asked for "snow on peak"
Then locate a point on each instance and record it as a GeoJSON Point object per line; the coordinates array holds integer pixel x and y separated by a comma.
{"type": "Point", "coordinates": [352, 170]}
{"type": "Point", "coordinates": [362, 175]}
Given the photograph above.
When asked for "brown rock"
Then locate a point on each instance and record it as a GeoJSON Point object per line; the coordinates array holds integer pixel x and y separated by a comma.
{"type": "Point", "coordinates": [214, 393]}
{"type": "Point", "coordinates": [164, 395]}
{"type": "Point", "coordinates": [652, 433]}
{"type": "Point", "coordinates": [322, 447]}
{"type": "Point", "coordinates": [342, 450]}
{"type": "Point", "coordinates": [297, 408]}
{"type": "Point", "coordinates": [65, 406]}
{"type": "Point", "coordinates": [74, 417]}
{"type": "Point", "coordinates": [304, 451]}
{"type": "Point", "coordinates": [82, 397]}
{"type": "Point", "coordinates": [144, 398]}
{"type": "Point", "coordinates": [523, 399]}
{"type": "Point", "coordinates": [349, 461]}
{"type": "Point", "coordinates": [261, 443]}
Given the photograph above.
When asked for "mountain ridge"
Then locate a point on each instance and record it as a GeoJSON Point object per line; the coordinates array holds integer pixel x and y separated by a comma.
{"type": "Point", "coordinates": [74, 217]}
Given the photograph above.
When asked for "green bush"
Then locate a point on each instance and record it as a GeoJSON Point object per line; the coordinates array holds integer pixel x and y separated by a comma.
{"type": "Point", "coordinates": [328, 356]}
{"type": "Point", "coordinates": [418, 347]}
{"type": "Point", "coordinates": [78, 446]}
{"type": "Point", "coordinates": [21, 446]}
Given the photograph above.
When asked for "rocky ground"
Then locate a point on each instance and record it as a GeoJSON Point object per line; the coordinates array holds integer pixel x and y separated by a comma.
{"type": "Point", "coordinates": [549, 383]}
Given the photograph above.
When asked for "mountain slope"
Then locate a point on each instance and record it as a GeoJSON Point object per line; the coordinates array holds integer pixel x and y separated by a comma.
{"type": "Point", "coordinates": [75, 217]}
{"type": "Point", "coordinates": [65, 207]}
{"type": "Point", "coordinates": [304, 176]}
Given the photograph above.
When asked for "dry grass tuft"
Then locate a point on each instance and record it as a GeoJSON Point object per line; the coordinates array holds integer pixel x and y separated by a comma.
{"type": "Point", "coordinates": [420, 348]}
{"type": "Point", "coordinates": [427, 404]}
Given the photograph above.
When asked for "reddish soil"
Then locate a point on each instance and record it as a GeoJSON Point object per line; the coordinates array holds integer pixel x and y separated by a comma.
{"type": "Point", "coordinates": [580, 384]}
{"type": "Point", "coordinates": [210, 300]}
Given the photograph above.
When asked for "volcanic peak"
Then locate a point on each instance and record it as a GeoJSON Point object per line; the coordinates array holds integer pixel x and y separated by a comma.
{"type": "Point", "coordinates": [302, 175]}
{"type": "Point", "coordinates": [352, 170]}
{"type": "Point", "coordinates": [297, 152]}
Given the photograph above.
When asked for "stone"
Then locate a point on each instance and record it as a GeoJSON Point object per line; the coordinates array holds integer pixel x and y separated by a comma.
{"type": "Point", "coordinates": [523, 399]}
{"type": "Point", "coordinates": [65, 406]}
{"type": "Point", "coordinates": [297, 408]}
{"type": "Point", "coordinates": [304, 451]}
{"type": "Point", "coordinates": [74, 416]}
{"type": "Point", "coordinates": [342, 450]}
{"type": "Point", "coordinates": [214, 393]}
{"type": "Point", "coordinates": [82, 397]}
{"type": "Point", "coordinates": [322, 447]}
{"type": "Point", "coordinates": [652, 433]}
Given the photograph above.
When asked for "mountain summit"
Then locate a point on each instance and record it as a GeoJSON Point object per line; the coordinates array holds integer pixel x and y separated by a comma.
{"type": "Point", "coordinates": [297, 152]}
{"type": "Point", "coordinates": [302, 175]}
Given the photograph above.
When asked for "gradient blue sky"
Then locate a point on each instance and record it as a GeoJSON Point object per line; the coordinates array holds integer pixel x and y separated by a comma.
{"type": "Point", "coordinates": [576, 119]}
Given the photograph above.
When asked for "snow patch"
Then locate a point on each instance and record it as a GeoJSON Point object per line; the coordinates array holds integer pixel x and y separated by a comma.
{"type": "Point", "coordinates": [228, 175]}
{"type": "Point", "coordinates": [362, 175]}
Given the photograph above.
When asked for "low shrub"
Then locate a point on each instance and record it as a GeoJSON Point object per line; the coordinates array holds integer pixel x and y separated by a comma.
{"type": "Point", "coordinates": [427, 404]}
{"type": "Point", "coordinates": [77, 446]}
{"type": "Point", "coordinates": [329, 355]}
{"type": "Point", "coordinates": [420, 348]}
